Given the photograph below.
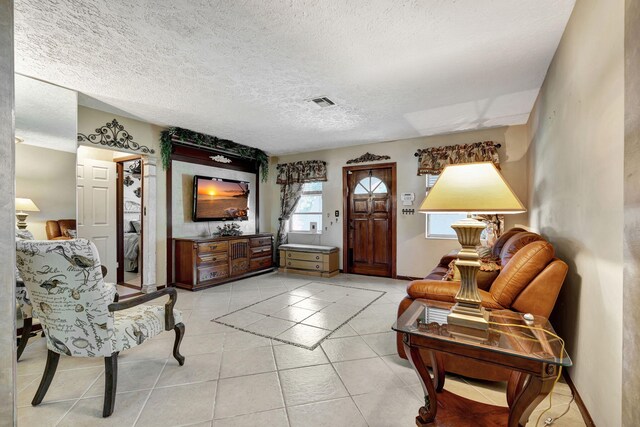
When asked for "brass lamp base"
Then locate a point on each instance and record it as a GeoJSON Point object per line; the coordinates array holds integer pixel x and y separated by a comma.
{"type": "Point", "coordinates": [468, 311]}
{"type": "Point", "coordinates": [22, 220]}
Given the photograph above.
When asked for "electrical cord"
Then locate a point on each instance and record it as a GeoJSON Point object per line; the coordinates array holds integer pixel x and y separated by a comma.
{"type": "Point", "coordinates": [549, 421]}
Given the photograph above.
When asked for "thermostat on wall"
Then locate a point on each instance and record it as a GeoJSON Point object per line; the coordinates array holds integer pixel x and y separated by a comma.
{"type": "Point", "coordinates": [407, 199]}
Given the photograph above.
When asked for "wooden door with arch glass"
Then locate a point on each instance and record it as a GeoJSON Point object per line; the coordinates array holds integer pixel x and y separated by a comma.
{"type": "Point", "coordinates": [370, 220]}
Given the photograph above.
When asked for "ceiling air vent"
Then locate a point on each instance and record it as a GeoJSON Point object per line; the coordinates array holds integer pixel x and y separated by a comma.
{"type": "Point", "coordinates": [323, 101]}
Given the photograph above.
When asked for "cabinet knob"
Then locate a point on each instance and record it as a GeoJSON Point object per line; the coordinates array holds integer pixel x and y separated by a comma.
{"type": "Point", "coordinates": [317, 256]}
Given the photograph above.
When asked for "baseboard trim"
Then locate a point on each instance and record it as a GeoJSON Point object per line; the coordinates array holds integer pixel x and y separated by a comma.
{"type": "Point", "coordinates": [581, 406]}
{"type": "Point", "coordinates": [408, 278]}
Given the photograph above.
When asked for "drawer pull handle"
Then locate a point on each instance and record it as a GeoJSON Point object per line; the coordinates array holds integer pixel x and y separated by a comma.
{"type": "Point", "coordinates": [212, 247]}
{"type": "Point", "coordinates": [317, 257]}
{"type": "Point", "coordinates": [317, 266]}
{"type": "Point", "coordinates": [289, 255]}
{"type": "Point", "coordinates": [289, 263]}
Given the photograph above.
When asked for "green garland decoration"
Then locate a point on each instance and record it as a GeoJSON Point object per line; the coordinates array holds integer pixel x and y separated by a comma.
{"type": "Point", "coordinates": [166, 144]}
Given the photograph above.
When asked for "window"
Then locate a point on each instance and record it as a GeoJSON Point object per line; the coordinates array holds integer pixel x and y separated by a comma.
{"type": "Point", "coordinates": [308, 209]}
{"type": "Point", "coordinates": [439, 225]}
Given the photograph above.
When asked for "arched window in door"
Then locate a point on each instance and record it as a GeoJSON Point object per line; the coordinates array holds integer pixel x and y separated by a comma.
{"type": "Point", "coordinates": [370, 185]}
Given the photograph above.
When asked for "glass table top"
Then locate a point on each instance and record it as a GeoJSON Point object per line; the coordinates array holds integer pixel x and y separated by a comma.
{"type": "Point", "coordinates": [508, 332]}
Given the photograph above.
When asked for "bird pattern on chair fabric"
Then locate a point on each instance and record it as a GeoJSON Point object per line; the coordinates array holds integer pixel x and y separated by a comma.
{"type": "Point", "coordinates": [71, 300]}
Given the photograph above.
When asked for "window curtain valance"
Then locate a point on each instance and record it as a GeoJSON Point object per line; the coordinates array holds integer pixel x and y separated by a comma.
{"type": "Point", "coordinates": [301, 172]}
{"type": "Point", "coordinates": [433, 160]}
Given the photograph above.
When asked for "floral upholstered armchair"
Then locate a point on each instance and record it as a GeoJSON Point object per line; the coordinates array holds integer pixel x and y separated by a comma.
{"type": "Point", "coordinates": [78, 314]}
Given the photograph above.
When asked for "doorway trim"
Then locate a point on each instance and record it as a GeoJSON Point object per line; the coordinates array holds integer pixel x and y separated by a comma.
{"type": "Point", "coordinates": [120, 219]}
{"type": "Point", "coordinates": [345, 210]}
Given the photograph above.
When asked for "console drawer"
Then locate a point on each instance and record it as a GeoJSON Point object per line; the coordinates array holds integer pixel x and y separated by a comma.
{"type": "Point", "coordinates": [213, 272]}
{"type": "Point", "coordinates": [304, 256]}
{"type": "Point", "coordinates": [213, 247]}
{"type": "Point", "coordinates": [260, 263]}
{"type": "Point", "coordinates": [261, 241]}
{"type": "Point", "coordinates": [212, 258]}
{"type": "Point", "coordinates": [260, 251]}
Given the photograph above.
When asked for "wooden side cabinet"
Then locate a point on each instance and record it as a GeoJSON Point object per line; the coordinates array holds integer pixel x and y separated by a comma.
{"type": "Point", "coordinates": [204, 262]}
{"type": "Point", "coordinates": [309, 259]}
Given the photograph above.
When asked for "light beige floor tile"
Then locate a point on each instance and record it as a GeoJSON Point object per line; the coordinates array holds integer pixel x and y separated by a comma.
{"type": "Point", "coordinates": [201, 344]}
{"type": "Point", "coordinates": [312, 304]}
{"type": "Point", "coordinates": [304, 335]}
{"type": "Point", "coordinates": [458, 386]}
{"type": "Point", "coordinates": [274, 418]}
{"type": "Point", "coordinates": [289, 356]}
{"type": "Point", "coordinates": [255, 361]}
{"type": "Point", "coordinates": [271, 326]}
{"type": "Point", "coordinates": [65, 385]}
{"type": "Point", "coordinates": [389, 407]}
{"type": "Point", "coordinates": [343, 331]}
{"type": "Point", "coordinates": [367, 375]}
{"type": "Point", "coordinates": [293, 314]}
{"type": "Point", "coordinates": [348, 348]}
{"type": "Point", "coordinates": [197, 368]}
{"type": "Point", "coordinates": [179, 405]}
{"type": "Point", "coordinates": [324, 320]}
{"type": "Point", "coordinates": [23, 381]}
{"type": "Point", "coordinates": [88, 412]}
{"type": "Point", "coordinates": [240, 340]}
{"type": "Point", "coordinates": [383, 343]}
{"type": "Point", "coordinates": [311, 384]}
{"type": "Point", "coordinates": [241, 318]}
{"type": "Point", "coordinates": [43, 415]}
{"type": "Point", "coordinates": [245, 395]}
{"type": "Point", "coordinates": [402, 368]}
{"type": "Point", "coordinates": [140, 375]}
{"type": "Point", "coordinates": [573, 418]}
{"type": "Point", "coordinates": [332, 413]}
{"type": "Point", "coordinates": [151, 349]}
{"type": "Point", "coordinates": [371, 325]}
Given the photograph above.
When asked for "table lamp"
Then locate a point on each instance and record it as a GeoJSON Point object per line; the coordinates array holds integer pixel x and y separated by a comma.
{"type": "Point", "coordinates": [470, 188]}
{"type": "Point", "coordinates": [21, 206]}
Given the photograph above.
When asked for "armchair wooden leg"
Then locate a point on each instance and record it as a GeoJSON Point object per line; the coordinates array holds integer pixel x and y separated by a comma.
{"type": "Point", "coordinates": [47, 377]}
{"type": "Point", "coordinates": [110, 384]}
{"type": "Point", "coordinates": [24, 338]}
{"type": "Point", "coordinates": [179, 328]}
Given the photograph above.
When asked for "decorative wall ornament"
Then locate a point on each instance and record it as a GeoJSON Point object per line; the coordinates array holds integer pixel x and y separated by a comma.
{"type": "Point", "coordinates": [220, 159]}
{"type": "Point", "coordinates": [113, 134]}
{"type": "Point", "coordinates": [138, 192]}
{"type": "Point", "coordinates": [128, 181]}
{"type": "Point", "coordinates": [186, 136]}
{"type": "Point", "coordinates": [368, 157]}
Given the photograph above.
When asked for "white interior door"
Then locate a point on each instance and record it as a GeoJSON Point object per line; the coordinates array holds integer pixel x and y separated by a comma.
{"type": "Point", "coordinates": [96, 202]}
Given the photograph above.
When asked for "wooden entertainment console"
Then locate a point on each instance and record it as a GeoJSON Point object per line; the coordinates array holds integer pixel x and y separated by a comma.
{"type": "Point", "coordinates": [204, 262]}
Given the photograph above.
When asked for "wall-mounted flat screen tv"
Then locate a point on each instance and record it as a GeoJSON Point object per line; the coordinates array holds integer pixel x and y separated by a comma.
{"type": "Point", "coordinates": [218, 199]}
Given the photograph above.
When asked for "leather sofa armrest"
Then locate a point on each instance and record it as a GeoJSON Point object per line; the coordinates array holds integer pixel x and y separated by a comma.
{"type": "Point", "coordinates": [446, 260]}
{"type": "Point", "coordinates": [438, 290]}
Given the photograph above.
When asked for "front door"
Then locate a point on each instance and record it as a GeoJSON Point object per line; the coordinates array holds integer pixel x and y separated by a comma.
{"type": "Point", "coordinates": [370, 220]}
{"type": "Point", "coordinates": [96, 204]}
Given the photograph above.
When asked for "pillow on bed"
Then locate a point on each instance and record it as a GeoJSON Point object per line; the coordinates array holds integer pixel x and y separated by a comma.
{"type": "Point", "coordinates": [136, 226]}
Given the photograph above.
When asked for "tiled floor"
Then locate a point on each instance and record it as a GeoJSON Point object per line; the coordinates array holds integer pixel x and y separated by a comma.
{"type": "Point", "coordinates": [276, 315]}
{"type": "Point", "coordinates": [232, 378]}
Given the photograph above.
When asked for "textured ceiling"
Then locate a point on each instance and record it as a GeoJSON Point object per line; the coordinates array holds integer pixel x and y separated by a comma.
{"type": "Point", "coordinates": [243, 70]}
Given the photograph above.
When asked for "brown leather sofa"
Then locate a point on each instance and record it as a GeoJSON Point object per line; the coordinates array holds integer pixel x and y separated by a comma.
{"type": "Point", "coordinates": [529, 282]}
{"type": "Point", "coordinates": [57, 230]}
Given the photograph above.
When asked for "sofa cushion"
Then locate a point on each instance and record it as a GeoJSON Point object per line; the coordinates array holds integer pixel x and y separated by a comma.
{"type": "Point", "coordinates": [439, 290]}
{"type": "Point", "coordinates": [525, 265]}
{"type": "Point", "coordinates": [515, 243]}
{"type": "Point", "coordinates": [499, 244]}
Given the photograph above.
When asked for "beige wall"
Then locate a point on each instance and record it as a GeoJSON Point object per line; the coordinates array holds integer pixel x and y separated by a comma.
{"type": "Point", "coordinates": [51, 184]}
{"type": "Point", "coordinates": [416, 255]}
{"type": "Point", "coordinates": [146, 134]}
{"type": "Point", "coordinates": [576, 190]}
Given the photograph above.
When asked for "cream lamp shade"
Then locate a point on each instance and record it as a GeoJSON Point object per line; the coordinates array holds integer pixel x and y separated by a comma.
{"type": "Point", "coordinates": [26, 205]}
{"type": "Point", "coordinates": [471, 188]}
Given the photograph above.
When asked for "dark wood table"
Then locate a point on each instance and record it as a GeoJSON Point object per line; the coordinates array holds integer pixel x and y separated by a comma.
{"type": "Point", "coordinates": [534, 355]}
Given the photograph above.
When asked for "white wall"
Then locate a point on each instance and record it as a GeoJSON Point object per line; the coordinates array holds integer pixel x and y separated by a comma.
{"type": "Point", "coordinates": [416, 255]}
{"type": "Point", "coordinates": [149, 135]}
{"type": "Point", "coordinates": [182, 174]}
{"type": "Point", "coordinates": [576, 190]}
{"type": "Point", "coordinates": [51, 184]}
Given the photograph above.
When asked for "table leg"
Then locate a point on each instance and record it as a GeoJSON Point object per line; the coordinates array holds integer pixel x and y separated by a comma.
{"type": "Point", "coordinates": [534, 391]}
{"type": "Point", "coordinates": [427, 413]}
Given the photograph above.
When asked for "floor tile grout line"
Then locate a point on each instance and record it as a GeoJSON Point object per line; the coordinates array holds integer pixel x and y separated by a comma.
{"type": "Point", "coordinates": [144, 404]}
{"type": "Point", "coordinates": [284, 401]}
{"type": "Point", "coordinates": [345, 386]}
{"type": "Point", "coordinates": [78, 399]}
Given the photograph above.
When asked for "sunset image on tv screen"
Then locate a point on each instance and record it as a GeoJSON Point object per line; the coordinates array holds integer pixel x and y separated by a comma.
{"type": "Point", "coordinates": [222, 199]}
